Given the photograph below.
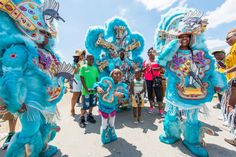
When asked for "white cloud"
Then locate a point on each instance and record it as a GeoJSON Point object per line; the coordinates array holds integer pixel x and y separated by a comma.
{"type": "Point", "coordinates": [122, 11]}
{"type": "Point", "coordinates": [214, 44]}
{"type": "Point", "coordinates": [160, 5]}
{"type": "Point", "coordinates": [222, 14]}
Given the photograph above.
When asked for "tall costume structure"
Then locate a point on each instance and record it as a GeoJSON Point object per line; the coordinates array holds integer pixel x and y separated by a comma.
{"type": "Point", "coordinates": [31, 73]}
{"type": "Point", "coordinates": [115, 46]}
{"type": "Point", "coordinates": [192, 79]}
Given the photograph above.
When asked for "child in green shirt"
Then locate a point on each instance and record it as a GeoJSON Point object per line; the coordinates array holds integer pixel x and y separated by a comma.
{"type": "Point", "coordinates": [88, 76]}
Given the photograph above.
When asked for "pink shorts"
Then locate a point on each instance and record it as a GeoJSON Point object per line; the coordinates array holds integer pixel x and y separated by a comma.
{"type": "Point", "coordinates": [107, 115]}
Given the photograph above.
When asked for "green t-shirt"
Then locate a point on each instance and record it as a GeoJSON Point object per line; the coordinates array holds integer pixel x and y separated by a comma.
{"type": "Point", "coordinates": [90, 75]}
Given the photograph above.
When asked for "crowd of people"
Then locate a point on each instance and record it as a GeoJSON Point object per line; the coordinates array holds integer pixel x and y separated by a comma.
{"type": "Point", "coordinates": [192, 66]}
{"type": "Point", "coordinates": [111, 74]}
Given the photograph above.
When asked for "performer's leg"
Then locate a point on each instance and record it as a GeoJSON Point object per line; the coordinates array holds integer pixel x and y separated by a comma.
{"type": "Point", "coordinates": [172, 128]}
{"type": "Point", "coordinates": [105, 138]}
{"type": "Point", "coordinates": [29, 139]}
{"type": "Point", "coordinates": [139, 115]}
{"type": "Point", "coordinates": [48, 132]}
{"type": "Point", "coordinates": [159, 99]}
{"type": "Point", "coordinates": [192, 134]}
{"type": "Point", "coordinates": [112, 128]}
{"type": "Point", "coordinates": [12, 125]}
{"type": "Point", "coordinates": [150, 95]}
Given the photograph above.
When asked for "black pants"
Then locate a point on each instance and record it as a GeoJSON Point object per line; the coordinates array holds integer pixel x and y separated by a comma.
{"type": "Point", "coordinates": [157, 90]}
{"type": "Point", "coordinates": [219, 97]}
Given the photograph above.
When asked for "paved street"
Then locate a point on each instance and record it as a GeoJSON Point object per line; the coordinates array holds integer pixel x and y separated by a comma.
{"type": "Point", "coordinates": [135, 140]}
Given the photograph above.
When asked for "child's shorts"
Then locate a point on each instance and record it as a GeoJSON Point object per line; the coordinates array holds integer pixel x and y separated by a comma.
{"type": "Point", "coordinates": [137, 102]}
{"type": "Point", "coordinates": [89, 101]}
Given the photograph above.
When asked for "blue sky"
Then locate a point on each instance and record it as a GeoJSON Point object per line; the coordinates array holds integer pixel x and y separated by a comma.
{"type": "Point", "coordinates": [142, 16]}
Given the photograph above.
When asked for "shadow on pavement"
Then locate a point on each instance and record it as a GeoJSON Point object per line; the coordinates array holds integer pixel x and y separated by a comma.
{"type": "Point", "coordinates": [182, 148]}
{"type": "Point", "coordinates": [59, 154]}
{"type": "Point", "coordinates": [218, 151]}
{"type": "Point", "coordinates": [90, 128]}
{"type": "Point", "coordinates": [125, 118]}
{"type": "Point", "coordinates": [214, 128]}
{"type": "Point", "coordinates": [121, 148]}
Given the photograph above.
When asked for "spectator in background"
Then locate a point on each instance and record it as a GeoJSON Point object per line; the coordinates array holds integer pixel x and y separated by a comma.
{"type": "Point", "coordinates": [77, 86]}
{"type": "Point", "coordinates": [220, 66]}
{"type": "Point", "coordinates": [153, 81]}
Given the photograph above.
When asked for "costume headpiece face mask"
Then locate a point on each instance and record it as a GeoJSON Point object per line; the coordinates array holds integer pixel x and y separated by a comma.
{"type": "Point", "coordinates": [181, 21]}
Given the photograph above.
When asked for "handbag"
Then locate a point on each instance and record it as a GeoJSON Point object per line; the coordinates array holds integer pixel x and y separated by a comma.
{"type": "Point", "coordinates": [157, 81]}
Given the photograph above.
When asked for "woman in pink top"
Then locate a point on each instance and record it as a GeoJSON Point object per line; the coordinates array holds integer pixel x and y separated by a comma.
{"type": "Point", "coordinates": [152, 70]}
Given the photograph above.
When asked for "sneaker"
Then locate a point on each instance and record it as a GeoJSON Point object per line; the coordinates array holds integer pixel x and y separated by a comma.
{"type": "Point", "coordinates": [161, 112]}
{"type": "Point", "coordinates": [82, 123]}
{"type": "Point", "coordinates": [145, 100]}
{"type": "Point", "coordinates": [135, 120]}
{"type": "Point", "coordinates": [226, 123]}
{"type": "Point", "coordinates": [217, 106]}
{"type": "Point", "coordinates": [140, 120]}
{"type": "Point", "coordinates": [7, 141]}
{"type": "Point", "coordinates": [220, 117]}
{"type": "Point", "coordinates": [90, 118]}
{"type": "Point", "coordinates": [151, 110]}
{"type": "Point", "coordinates": [232, 142]}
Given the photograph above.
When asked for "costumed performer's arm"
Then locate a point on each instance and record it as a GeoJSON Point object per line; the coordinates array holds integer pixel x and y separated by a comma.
{"type": "Point", "coordinates": [168, 52]}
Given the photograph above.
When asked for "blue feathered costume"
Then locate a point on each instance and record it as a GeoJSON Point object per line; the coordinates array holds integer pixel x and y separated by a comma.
{"type": "Point", "coordinates": [191, 76]}
{"type": "Point", "coordinates": [107, 105]}
{"type": "Point", "coordinates": [29, 86]}
{"type": "Point", "coordinates": [115, 46]}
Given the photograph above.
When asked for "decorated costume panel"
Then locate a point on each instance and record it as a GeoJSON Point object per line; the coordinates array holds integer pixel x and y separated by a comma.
{"type": "Point", "coordinates": [108, 101]}
{"type": "Point", "coordinates": [115, 46]}
{"type": "Point", "coordinates": [191, 73]}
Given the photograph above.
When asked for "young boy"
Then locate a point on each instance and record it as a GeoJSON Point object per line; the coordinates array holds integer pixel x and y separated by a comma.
{"type": "Point", "coordinates": [88, 76]}
{"type": "Point", "coordinates": [110, 90]}
{"type": "Point", "coordinates": [138, 87]}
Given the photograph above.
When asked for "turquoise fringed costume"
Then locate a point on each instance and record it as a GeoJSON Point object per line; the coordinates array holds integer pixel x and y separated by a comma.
{"type": "Point", "coordinates": [30, 79]}
{"type": "Point", "coordinates": [107, 107]}
{"type": "Point", "coordinates": [115, 46]}
{"type": "Point", "coordinates": [191, 76]}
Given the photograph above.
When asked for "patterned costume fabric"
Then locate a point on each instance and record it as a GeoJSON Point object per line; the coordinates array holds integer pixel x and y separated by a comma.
{"type": "Point", "coordinates": [106, 43]}
{"type": "Point", "coordinates": [31, 76]}
{"type": "Point", "coordinates": [107, 106]}
{"type": "Point", "coordinates": [190, 73]}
